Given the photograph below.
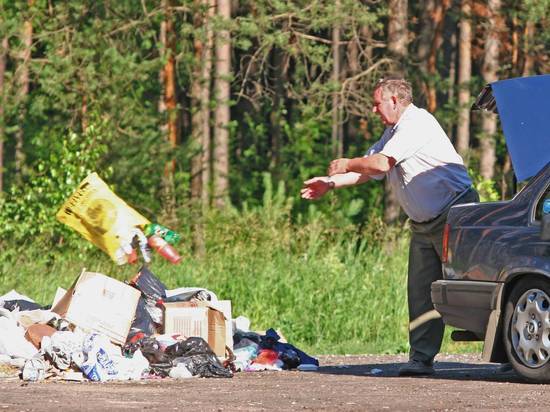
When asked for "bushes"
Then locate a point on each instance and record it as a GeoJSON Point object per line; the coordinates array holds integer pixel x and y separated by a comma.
{"type": "Point", "coordinates": [326, 285]}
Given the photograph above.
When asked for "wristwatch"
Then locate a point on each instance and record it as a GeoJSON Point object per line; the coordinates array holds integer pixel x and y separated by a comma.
{"type": "Point", "coordinates": [331, 184]}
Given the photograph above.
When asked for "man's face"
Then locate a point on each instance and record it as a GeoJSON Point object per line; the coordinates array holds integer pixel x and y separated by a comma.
{"type": "Point", "coordinates": [385, 107]}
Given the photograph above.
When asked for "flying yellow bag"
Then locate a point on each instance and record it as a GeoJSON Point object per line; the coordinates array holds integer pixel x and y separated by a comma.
{"type": "Point", "coordinates": [99, 215]}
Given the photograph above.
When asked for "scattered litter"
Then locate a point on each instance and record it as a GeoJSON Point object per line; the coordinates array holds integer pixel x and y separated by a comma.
{"type": "Point", "coordinates": [34, 370]}
{"type": "Point", "coordinates": [101, 330]}
{"type": "Point", "coordinates": [241, 323]}
{"type": "Point", "coordinates": [105, 220]}
{"type": "Point", "coordinates": [14, 295]}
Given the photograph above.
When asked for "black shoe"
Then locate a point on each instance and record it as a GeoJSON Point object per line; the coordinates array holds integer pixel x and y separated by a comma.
{"type": "Point", "coordinates": [416, 368]}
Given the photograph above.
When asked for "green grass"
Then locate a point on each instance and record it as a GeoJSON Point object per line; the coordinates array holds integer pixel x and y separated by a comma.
{"type": "Point", "coordinates": [327, 289]}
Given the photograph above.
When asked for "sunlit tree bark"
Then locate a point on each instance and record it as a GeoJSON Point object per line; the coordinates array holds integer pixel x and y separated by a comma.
{"type": "Point", "coordinates": [3, 57]}
{"type": "Point", "coordinates": [464, 78]}
{"type": "Point", "coordinates": [438, 19]}
{"type": "Point", "coordinates": [337, 131]}
{"type": "Point", "coordinates": [397, 47]}
{"type": "Point", "coordinates": [22, 75]}
{"type": "Point", "coordinates": [169, 109]}
{"type": "Point", "coordinates": [222, 114]}
{"type": "Point", "coordinates": [489, 72]}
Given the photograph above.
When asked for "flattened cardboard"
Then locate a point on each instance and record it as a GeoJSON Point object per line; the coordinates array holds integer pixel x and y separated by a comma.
{"type": "Point", "coordinates": [98, 303]}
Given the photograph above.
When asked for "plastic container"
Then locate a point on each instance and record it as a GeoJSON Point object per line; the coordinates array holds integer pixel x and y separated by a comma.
{"type": "Point", "coordinates": [170, 236]}
{"type": "Point", "coordinates": [164, 249]}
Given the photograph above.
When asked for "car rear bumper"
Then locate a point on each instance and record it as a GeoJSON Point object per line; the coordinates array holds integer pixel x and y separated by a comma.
{"type": "Point", "coordinates": [465, 304]}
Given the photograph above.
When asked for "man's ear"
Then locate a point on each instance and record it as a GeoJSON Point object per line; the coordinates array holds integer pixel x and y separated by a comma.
{"type": "Point", "coordinates": [394, 100]}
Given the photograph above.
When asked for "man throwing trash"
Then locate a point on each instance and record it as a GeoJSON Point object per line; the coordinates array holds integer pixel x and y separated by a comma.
{"type": "Point", "coordinates": [428, 176]}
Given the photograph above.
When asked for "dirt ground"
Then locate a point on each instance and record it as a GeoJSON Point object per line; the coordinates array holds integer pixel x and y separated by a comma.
{"type": "Point", "coordinates": [343, 383]}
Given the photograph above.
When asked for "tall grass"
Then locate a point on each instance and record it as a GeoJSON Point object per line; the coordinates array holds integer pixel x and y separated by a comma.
{"type": "Point", "coordinates": [327, 286]}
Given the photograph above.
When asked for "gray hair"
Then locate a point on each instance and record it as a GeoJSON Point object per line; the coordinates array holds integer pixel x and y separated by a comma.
{"type": "Point", "coordinates": [397, 87]}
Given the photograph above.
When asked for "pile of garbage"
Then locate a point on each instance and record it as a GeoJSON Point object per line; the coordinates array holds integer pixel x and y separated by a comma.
{"type": "Point", "coordinates": [101, 329]}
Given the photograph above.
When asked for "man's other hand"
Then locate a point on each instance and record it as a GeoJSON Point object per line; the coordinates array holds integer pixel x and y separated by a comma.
{"type": "Point", "coordinates": [338, 166]}
{"type": "Point", "coordinates": [315, 188]}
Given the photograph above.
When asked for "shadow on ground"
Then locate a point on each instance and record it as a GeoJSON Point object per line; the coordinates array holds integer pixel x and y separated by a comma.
{"type": "Point", "coordinates": [443, 370]}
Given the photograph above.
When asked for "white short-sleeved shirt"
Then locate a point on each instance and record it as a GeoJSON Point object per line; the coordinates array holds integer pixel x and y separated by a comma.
{"type": "Point", "coordinates": [428, 173]}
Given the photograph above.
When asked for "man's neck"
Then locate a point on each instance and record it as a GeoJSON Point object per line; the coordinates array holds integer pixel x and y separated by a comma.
{"type": "Point", "coordinates": [401, 109]}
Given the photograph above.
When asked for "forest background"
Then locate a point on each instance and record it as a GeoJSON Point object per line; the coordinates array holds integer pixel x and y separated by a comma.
{"type": "Point", "coordinates": [207, 116]}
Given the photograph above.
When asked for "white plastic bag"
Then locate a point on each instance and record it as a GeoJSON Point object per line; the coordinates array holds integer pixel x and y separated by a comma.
{"type": "Point", "coordinates": [12, 340]}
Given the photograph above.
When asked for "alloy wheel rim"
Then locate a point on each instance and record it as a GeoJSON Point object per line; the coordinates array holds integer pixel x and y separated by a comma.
{"type": "Point", "coordinates": [531, 328]}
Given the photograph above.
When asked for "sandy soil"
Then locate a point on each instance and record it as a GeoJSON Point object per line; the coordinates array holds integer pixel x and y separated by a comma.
{"type": "Point", "coordinates": [461, 382]}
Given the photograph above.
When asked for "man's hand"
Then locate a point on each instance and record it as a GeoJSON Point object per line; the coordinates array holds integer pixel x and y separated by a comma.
{"type": "Point", "coordinates": [338, 166]}
{"type": "Point", "coordinates": [315, 188]}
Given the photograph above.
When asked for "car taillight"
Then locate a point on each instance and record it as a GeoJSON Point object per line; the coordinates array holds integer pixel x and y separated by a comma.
{"type": "Point", "coordinates": [445, 249]}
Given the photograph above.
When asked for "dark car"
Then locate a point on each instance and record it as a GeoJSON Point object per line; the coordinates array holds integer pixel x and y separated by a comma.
{"type": "Point", "coordinates": [496, 255]}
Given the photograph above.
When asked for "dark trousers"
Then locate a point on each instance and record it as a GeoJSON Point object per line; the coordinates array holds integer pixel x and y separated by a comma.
{"type": "Point", "coordinates": [425, 326]}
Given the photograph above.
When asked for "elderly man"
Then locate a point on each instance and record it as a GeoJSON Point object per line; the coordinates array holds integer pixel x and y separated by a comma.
{"type": "Point", "coordinates": [428, 176]}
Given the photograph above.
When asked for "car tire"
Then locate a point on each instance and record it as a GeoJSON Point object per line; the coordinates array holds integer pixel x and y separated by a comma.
{"type": "Point", "coordinates": [527, 329]}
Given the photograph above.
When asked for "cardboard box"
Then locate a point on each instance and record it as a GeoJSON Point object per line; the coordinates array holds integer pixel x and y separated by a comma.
{"type": "Point", "coordinates": [36, 332]}
{"type": "Point", "coordinates": [224, 306]}
{"type": "Point", "coordinates": [196, 320]}
{"type": "Point", "coordinates": [98, 303]}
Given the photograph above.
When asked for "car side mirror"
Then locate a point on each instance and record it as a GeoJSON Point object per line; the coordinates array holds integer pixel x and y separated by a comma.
{"type": "Point", "coordinates": [545, 229]}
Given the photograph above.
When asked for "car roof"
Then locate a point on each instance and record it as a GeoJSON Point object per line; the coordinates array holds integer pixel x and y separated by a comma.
{"type": "Point", "coordinates": [523, 105]}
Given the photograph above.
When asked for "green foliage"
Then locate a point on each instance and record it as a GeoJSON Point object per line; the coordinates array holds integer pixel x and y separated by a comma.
{"type": "Point", "coordinates": [327, 286]}
{"type": "Point", "coordinates": [319, 270]}
{"type": "Point", "coordinates": [27, 211]}
{"type": "Point", "coordinates": [485, 187]}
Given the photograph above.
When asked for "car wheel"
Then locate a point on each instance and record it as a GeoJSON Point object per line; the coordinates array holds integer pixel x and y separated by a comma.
{"type": "Point", "coordinates": [527, 329]}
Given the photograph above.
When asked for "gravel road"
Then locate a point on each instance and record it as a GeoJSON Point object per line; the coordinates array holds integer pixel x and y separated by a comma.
{"type": "Point", "coordinates": [343, 383]}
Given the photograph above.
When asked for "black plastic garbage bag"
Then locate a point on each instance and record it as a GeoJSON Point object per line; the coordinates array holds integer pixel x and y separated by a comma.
{"type": "Point", "coordinates": [152, 290]}
{"type": "Point", "coordinates": [198, 358]}
{"type": "Point", "coordinates": [150, 348]}
{"type": "Point", "coordinates": [160, 369]}
{"type": "Point", "coordinates": [201, 295]}
{"type": "Point", "coordinates": [240, 335]}
{"type": "Point", "coordinates": [142, 321]}
{"type": "Point", "coordinates": [290, 358]}
{"type": "Point", "coordinates": [20, 304]}
{"type": "Point", "coordinates": [149, 285]}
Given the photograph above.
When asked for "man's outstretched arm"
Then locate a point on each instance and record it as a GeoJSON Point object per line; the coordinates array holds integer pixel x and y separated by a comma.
{"type": "Point", "coordinates": [317, 187]}
{"type": "Point", "coordinates": [373, 165]}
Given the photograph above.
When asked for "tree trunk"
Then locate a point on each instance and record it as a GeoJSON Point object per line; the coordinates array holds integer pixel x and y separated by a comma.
{"type": "Point", "coordinates": [464, 78]}
{"type": "Point", "coordinates": [337, 131]}
{"type": "Point", "coordinates": [489, 72]}
{"type": "Point", "coordinates": [397, 31]}
{"type": "Point", "coordinates": [22, 95]}
{"type": "Point", "coordinates": [171, 113]}
{"type": "Point", "coordinates": [426, 34]}
{"type": "Point", "coordinates": [438, 19]}
{"type": "Point", "coordinates": [198, 106]}
{"type": "Point", "coordinates": [222, 115]}
{"type": "Point", "coordinates": [279, 75]}
{"type": "Point", "coordinates": [529, 58]}
{"type": "Point", "coordinates": [200, 121]}
{"type": "Point", "coordinates": [397, 47]}
{"type": "Point", "coordinates": [3, 57]}
{"type": "Point", "coordinates": [450, 56]}
{"type": "Point", "coordinates": [206, 132]}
